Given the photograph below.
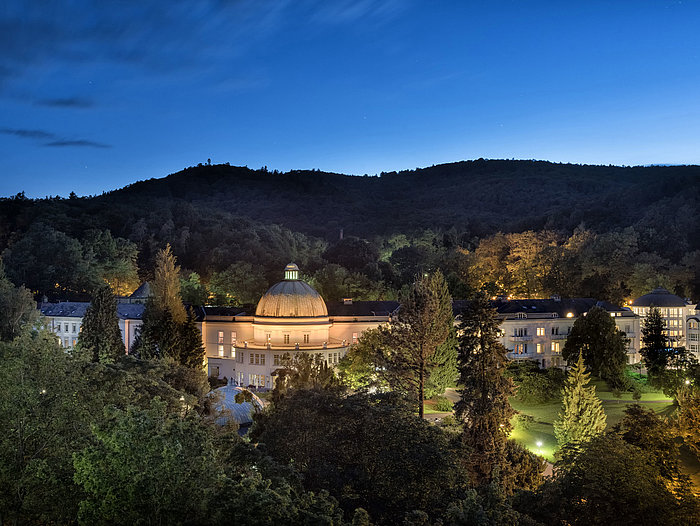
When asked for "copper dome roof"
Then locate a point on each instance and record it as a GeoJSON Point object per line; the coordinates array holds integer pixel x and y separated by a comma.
{"type": "Point", "coordinates": [291, 298]}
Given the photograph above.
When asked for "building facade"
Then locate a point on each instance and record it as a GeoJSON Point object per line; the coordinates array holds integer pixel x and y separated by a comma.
{"type": "Point", "coordinates": [537, 329]}
{"type": "Point", "coordinates": [65, 319]}
{"type": "Point", "coordinates": [679, 315]}
{"type": "Point", "coordinates": [291, 317]}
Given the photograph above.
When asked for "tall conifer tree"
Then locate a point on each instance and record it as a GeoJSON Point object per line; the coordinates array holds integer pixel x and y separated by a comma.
{"type": "Point", "coordinates": [424, 323]}
{"type": "Point", "coordinates": [582, 415]}
{"type": "Point", "coordinates": [484, 407]}
{"type": "Point", "coordinates": [167, 330]}
{"type": "Point", "coordinates": [100, 337]}
{"type": "Point", "coordinates": [654, 342]}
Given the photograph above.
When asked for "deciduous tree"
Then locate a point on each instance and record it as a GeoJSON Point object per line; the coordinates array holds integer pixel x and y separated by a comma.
{"type": "Point", "coordinates": [602, 344]}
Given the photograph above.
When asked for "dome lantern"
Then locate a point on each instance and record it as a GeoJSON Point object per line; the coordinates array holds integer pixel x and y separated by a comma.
{"type": "Point", "coordinates": [291, 272]}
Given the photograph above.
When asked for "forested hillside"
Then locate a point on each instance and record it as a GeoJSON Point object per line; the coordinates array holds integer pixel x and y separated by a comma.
{"type": "Point", "coordinates": [590, 230]}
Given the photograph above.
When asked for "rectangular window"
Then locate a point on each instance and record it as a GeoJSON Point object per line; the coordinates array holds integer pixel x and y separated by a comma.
{"type": "Point", "coordinates": [268, 336]}
{"type": "Point", "coordinates": [252, 358]}
{"type": "Point", "coordinates": [233, 337]}
{"type": "Point", "coordinates": [65, 327]}
{"type": "Point", "coordinates": [555, 346]}
{"type": "Point", "coordinates": [214, 370]}
{"type": "Point", "coordinates": [221, 350]}
{"type": "Point", "coordinates": [233, 352]}
{"type": "Point", "coordinates": [286, 338]}
{"type": "Point", "coordinates": [540, 348]}
{"type": "Point", "coordinates": [220, 339]}
{"type": "Point", "coordinates": [65, 342]}
{"type": "Point", "coordinates": [240, 357]}
{"type": "Point", "coordinates": [276, 359]}
{"type": "Point", "coordinates": [693, 336]}
{"type": "Point", "coordinates": [74, 328]}
{"type": "Point", "coordinates": [262, 359]}
{"type": "Point", "coordinates": [555, 331]}
{"type": "Point", "coordinates": [354, 337]}
{"type": "Point", "coordinates": [74, 341]}
{"type": "Point", "coordinates": [306, 338]}
{"type": "Point", "coordinates": [540, 331]}
{"type": "Point", "coordinates": [257, 359]}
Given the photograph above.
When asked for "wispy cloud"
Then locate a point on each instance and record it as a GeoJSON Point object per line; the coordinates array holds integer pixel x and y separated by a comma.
{"type": "Point", "coordinates": [69, 102]}
{"type": "Point", "coordinates": [78, 142]}
{"type": "Point", "coordinates": [54, 139]}
{"type": "Point", "coordinates": [27, 134]}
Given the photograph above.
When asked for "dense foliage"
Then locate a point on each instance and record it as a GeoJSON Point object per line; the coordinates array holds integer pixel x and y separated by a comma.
{"type": "Point", "coordinates": [563, 233]}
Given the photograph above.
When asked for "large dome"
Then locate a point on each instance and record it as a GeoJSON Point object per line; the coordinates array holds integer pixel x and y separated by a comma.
{"type": "Point", "coordinates": [291, 298]}
{"type": "Point", "coordinates": [659, 297]}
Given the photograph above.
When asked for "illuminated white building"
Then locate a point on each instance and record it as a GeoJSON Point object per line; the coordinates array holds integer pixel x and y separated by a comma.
{"type": "Point", "coordinates": [680, 317]}
{"type": "Point", "coordinates": [537, 329]}
{"type": "Point", "coordinates": [66, 319]}
{"type": "Point", "coordinates": [291, 317]}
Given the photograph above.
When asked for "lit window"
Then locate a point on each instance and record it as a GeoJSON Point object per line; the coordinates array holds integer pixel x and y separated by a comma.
{"type": "Point", "coordinates": [540, 331]}
{"type": "Point", "coordinates": [555, 346]}
{"type": "Point", "coordinates": [539, 348]}
{"type": "Point", "coordinates": [221, 350]}
{"type": "Point", "coordinates": [221, 337]}
{"type": "Point", "coordinates": [354, 337]}
{"type": "Point", "coordinates": [233, 337]}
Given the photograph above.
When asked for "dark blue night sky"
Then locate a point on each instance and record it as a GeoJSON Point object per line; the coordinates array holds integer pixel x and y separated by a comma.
{"type": "Point", "coordinates": [96, 95]}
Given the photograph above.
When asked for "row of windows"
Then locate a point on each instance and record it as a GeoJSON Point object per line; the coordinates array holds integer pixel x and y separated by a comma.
{"type": "Point", "coordinates": [540, 331]}
{"type": "Point", "coordinates": [73, 328]}
{"type": "Point", "coordinates": [521, 348]}
{"type": "Point", "coordinates": [220, 338]}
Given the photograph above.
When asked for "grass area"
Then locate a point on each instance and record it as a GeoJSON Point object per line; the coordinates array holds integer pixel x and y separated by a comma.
{"type": "Point", "coordinates": [429, 407]}
{"type": "Point", "coordinates": [542, 430]}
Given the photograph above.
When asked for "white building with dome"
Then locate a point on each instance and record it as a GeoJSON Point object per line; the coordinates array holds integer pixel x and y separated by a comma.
{"type": "Point", "coordinates": [290, 317]}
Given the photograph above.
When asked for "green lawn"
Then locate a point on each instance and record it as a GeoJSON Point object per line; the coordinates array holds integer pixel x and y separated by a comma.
{"type": "Point", "coordinates": [542, 429]}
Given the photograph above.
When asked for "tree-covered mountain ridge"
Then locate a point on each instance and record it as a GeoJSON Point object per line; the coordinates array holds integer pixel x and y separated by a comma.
{"type": "Point", "coordinates": [527, 228]}
{"type": "Point", "coordinates": [480, 197]}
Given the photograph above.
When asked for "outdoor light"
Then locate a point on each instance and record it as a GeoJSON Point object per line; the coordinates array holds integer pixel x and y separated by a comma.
{"type": "Point", "coordinates": [687, 381]}
{"type": "Point", "coordinates": [539, 443]}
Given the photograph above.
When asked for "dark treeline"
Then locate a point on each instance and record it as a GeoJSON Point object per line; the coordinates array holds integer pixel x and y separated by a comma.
{"type": "Point", "coordinates": [623, 230]}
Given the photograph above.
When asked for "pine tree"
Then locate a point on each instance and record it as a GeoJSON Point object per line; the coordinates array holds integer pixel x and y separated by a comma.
{"type": "Point", "coordinates": [167, 330]}
{"type": "Point", "coordinates": [166, 286]}
{"type": "Point", "coordinates": [100, 338]}
{"type": "Point", "coordinates": [654, 343]}
{"type": "Point", "coordinates": [424, 323]}
{"type": "Point", "coordinates": [582, 415]}
{"type": "Point", "coordinates": [484, 407]}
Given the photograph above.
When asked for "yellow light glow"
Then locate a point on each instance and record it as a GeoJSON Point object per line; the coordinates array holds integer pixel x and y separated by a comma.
{"type": "Point", "coordinates": [569, 314]}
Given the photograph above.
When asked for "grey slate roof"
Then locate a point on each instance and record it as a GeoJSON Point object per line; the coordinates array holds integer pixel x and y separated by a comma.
{"type": "Point", "coordinates": [225, 400]}
{"type": "Point", "coordinates": [362, 308]}
{"type": "Point", "coordinates": [577, 306]}
{"type": "Point", "coordinates": [76, 309]}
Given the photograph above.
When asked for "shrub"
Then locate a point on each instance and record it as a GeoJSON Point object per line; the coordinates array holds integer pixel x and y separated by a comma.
{"type": "Point", "coordinates": [443, 405]}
